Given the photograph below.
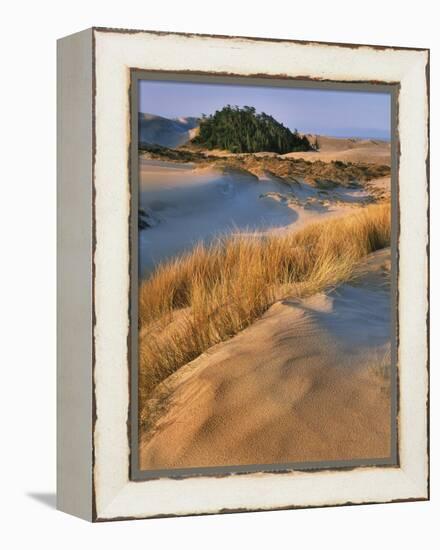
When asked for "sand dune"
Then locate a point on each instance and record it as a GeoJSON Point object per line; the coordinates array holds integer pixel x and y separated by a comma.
{"type": "Point", "coordinates": [306, 382]}
{"type": "Point", "coordinates": [190, 204]}
{"type": "Point", "coordinates": [348, 150]}
{"type": "Point", "coordinates": [309, 380]}
{"type": "Point", "coordinates": [371, 151]}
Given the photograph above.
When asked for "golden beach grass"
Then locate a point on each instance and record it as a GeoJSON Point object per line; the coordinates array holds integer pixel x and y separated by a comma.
{"type": "Point", "coordinates": [213, 292]}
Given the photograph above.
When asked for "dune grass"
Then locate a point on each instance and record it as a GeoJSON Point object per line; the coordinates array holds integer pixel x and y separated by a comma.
{"type": "Point", "coordinates": [213, 292]}
{"type": "Point", "coordinates": [381, 366]}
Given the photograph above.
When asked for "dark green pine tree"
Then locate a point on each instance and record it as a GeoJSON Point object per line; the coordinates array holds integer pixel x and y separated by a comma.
{"type": "Point", "coordinates": [245, 131]}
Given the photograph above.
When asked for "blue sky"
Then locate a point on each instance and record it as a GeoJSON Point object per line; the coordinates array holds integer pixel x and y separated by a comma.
{"type": "Point", "coordinates": [336, 113]}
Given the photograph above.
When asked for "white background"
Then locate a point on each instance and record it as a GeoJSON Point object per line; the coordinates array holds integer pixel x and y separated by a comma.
{"type": "Point", "coordinates": [27, 289]}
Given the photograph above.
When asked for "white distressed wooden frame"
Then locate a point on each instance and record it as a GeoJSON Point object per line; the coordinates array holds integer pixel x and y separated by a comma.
{"type": "Point", "coordinates": [94, 208]}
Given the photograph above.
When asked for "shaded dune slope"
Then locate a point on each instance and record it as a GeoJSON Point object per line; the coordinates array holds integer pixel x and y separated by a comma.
{"type": "Point", "coordinates": [308, 381]}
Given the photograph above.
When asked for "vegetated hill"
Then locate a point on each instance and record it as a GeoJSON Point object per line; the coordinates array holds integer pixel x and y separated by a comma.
{"type": "Point", "coordinates": [246, 131]}
{"type": "Point", "coordinates": [157, 130]}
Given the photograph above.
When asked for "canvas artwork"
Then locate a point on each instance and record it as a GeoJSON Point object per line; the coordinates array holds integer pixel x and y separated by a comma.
{"type": "Point", "coordinates": [242, 267]}
{"type": "Point", "coordinates": [266, 275]}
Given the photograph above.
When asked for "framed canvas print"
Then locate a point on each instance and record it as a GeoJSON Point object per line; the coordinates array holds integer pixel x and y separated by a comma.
{"type": "Point", "coordinates": [242, 274]}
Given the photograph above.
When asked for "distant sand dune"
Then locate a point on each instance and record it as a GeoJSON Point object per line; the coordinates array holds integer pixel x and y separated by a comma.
{"type": "Point", "coordinates": [306, 382]}
{"type": "Point", "coordinates": [369, 151]}
{"type": "Point", "coordinates": [348, 150]}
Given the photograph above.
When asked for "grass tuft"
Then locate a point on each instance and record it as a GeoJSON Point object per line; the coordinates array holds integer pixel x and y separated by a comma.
{"type": "Point", "coordinates": [213, 292]}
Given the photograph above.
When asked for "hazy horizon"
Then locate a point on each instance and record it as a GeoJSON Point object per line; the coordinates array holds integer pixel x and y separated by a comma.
{"type": "Point", "coordinates": [327, 112]}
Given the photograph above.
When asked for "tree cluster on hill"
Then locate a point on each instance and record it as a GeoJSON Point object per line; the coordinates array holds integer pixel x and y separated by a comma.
{"type": "Point", "coordinates": [246, 131]}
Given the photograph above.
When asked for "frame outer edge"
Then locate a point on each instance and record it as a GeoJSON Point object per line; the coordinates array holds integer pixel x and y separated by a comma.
{"type": "Point", "coordinates": [421, 497]}
{"type": "Point", "coordinates": [74, 274]}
